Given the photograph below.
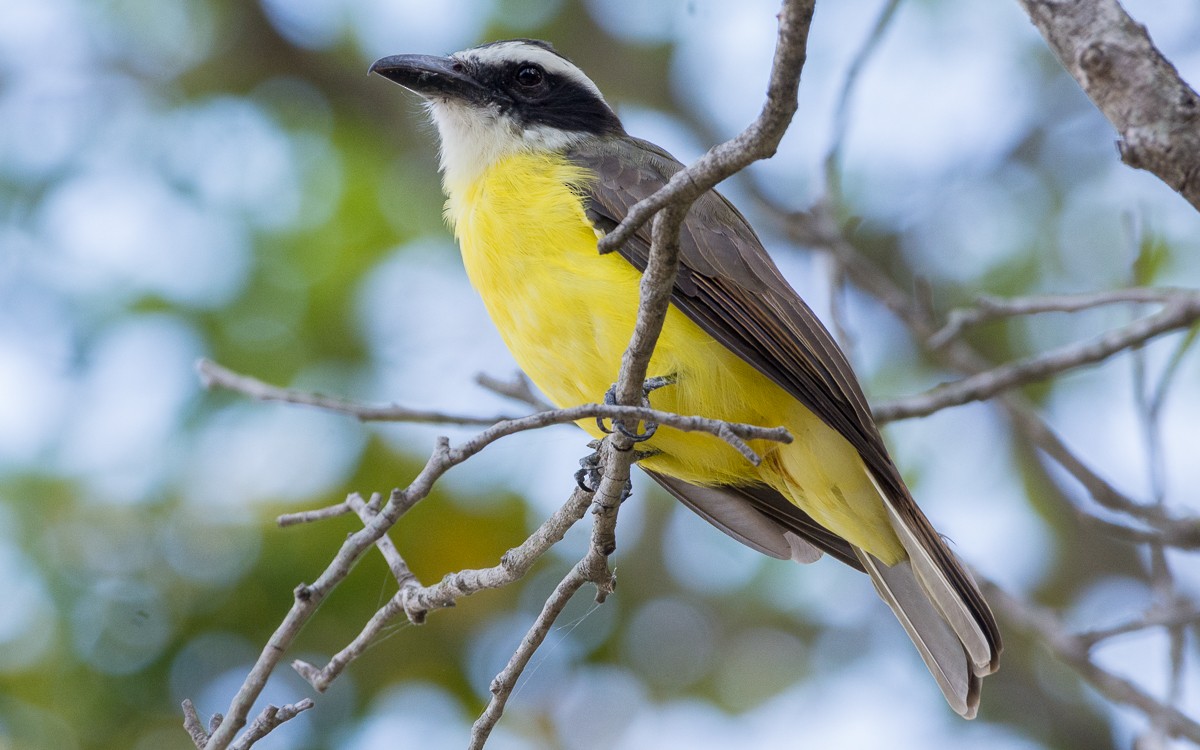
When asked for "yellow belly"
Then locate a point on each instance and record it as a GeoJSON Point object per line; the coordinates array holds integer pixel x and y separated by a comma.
{"type": "Point", "coordinates": [567, 314]}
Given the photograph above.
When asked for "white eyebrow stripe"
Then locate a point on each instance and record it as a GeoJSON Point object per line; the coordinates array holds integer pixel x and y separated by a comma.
{"type": "Point", "coordinates": [514, 52]}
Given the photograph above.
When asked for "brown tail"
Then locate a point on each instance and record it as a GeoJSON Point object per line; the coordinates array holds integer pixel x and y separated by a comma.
{"type": "Point", "coordinates": [940, 607]}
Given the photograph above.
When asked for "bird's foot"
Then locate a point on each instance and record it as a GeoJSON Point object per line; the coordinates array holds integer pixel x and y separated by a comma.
{"type": "Point", "coordinates": [610, 398]}
{"type": "Point", "coordinates": [589, 476]}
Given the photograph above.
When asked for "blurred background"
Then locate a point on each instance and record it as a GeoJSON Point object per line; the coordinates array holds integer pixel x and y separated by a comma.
{"type": "Point", "coordinates": [218, 178]}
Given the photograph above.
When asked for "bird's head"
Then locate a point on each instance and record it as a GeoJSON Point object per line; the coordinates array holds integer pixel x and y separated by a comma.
{"type": "Point", "coordinates": [502, 98]}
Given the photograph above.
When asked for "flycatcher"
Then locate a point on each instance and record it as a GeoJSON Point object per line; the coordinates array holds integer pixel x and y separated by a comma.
{"type": "Point", "coordinates": [537, 167]}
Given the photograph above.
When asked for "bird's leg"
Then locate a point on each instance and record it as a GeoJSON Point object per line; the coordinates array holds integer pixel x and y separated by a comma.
{"type": "Point", "coordinates": [610, 398]}
{"type": "Point", "coordinates": [588, 477]}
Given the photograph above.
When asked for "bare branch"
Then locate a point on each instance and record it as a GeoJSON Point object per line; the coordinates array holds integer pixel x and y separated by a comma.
{"type": "Point", "coordinates": [1074, 651]}
{"type": "Point", "coordinates": [758, 141]}
{"type": "Point", "coordinates": [504, 683]}
{"type": "Point", "coordinates": [1113, 59]}
{"type": "Point", "coordinates": [1181, 312]}
{"type": "Point", "coordinates": [213, 375]}
{"type": "Point", "coordinates": [592, 568]}
{"type": "Point", "coordinates": [312, 516]}
{"type": "Point", "coordinates": [193, 725]}
{"type": "Point", "coordinates": [513, 565]}
{"type": "Point", "coordinates": [669, 207]}
{"type": "Point", "coordinates": [271, 717]}
{"type": "Point", "coordinates": [818, 229]}
{"type": "Point", "coordinates": [309, 597]}
{"type": "Point", "coordinates": [367, 512]}
{"type": "Point", "coordinates": [988, 308]}
{"type": "Point", "coordinates": [1160, 617]}
{"type": "Point", "coordinates": [1167, 598]}
{"type": "Point", "coordinates": [1030, 424]}
{"type": "Point", "coordinates": [735, 434]}
{"type": "Point", "coordinates": [416, 601]}
{"type": "Point", "coordinates": [518, 389]}
{"type": "Point", "coordinates": [841, 116]}
{"type": "Point", "coordinates": [1180, 533]}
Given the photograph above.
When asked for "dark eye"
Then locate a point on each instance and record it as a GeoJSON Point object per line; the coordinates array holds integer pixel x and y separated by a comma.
{"type": "Point", "coordinates": [529, 76]}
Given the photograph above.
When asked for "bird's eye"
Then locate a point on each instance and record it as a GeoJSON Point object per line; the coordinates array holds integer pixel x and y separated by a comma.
{"type": "Point", "coordinates": [529, 76]}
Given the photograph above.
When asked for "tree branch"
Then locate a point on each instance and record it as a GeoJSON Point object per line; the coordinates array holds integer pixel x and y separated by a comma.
{"type": "Point", "coordinates": [270, 718]}
{"type": "Point", "coordinates": [1113, 59]}
{"type": "Point", "coordinates": [1181, 312]}
{"type": "Point", "coordinates": [988, 308]}
{"type": "Point", "coordinates": [734, 433]}
{"type": "Point", "coordinates": [506, 681]}
{"type": "Point", "coordinates": [819, 229]}
{"type": "Point", "coordinates": [518, 389]}
{"type": "Point", "coordinates": [758, 141]}
{"type": "Point", "coordinates": [213, 375]}
{"type": "Point", "coordinates": [308, 597]}
{"type": "Point", "coordinates": [1075, 651]}
{"type": "Point", "coordinates": [417, 601]}
{"type": "Point", "coordinates": [1181, 533]}
{"type": "Point", "coordinates": [1161, 617]}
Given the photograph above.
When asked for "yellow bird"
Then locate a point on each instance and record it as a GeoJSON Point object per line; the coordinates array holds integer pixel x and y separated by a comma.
{"type": "Point", "coordinates": [536, 167]}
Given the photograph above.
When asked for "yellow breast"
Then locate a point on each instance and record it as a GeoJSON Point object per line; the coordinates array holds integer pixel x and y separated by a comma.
{"type": "Point", "coordinates": [566, 312]}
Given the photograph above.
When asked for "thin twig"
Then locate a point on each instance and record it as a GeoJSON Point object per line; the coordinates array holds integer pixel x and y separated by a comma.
{"type": "Point", "coordinates": [213, 375]}
{"type": "Point", "coordinates": [366, 512]}
{"type": "Point", "coordinates": [416, 601]}
{"type": "Point", "coordinates": [1180, 532]}
{"type": "Point", "coordinates": [841, 115]}
{"type": "Point", "coordinates": [312, 516]}
{"type": "Point", "coordinates": [1075, 652]}
{"type": "Point", "coordinates": [504, 683]}
{"type": "Point", "coordinates": [758, 141]}
{"type": "Point", "coordinates": [1149, 400]}
{"type": "Point", "coordinates": [736, 434]}
{"type": "Point", "coordinates": [309, 597]}
{"type": "Point", "coordinates": [988, 308]}
{"type": "Point", "coordinates": [1158, 617]}
{"type": "Point", "coordinates": [193, 725]}
{"type": "Point", "coordinates": [1181, 313]}
{"type": "Point", "coordinates": [518, 389]}
{"type": "Point", "coordinates": [818, 229]}
{"type": "Point", "coordinates": [271, 717]}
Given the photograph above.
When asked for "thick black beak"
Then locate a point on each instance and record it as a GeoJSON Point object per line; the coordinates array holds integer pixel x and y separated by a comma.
{"type": "Point", "coordinates": [430, 76]}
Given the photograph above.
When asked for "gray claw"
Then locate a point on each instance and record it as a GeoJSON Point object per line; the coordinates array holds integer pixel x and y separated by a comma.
{"type": "Point", "coordinates": [610, 398]}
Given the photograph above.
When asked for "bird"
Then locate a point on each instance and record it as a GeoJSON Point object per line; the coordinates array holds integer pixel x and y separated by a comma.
{"type": "Point", "coordinates": [537, 167]}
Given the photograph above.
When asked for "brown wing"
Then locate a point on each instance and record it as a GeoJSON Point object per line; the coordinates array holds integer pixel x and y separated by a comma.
{"type": "Point", "coordinates": [729, 286]}
{"type": "Point", "coordinates": [761, 518]}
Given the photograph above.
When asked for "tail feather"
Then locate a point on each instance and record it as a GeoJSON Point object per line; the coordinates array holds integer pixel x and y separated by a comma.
{"type": "Point", "coordinates": [938, 643]}
{"type": "Point", "coordinates": [940, 606]}
{"type": "Point", "coordinates": [946, 597]}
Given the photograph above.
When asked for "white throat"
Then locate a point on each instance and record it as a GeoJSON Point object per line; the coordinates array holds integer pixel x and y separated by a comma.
{"type": "Point", "coordinates": [474, 138]}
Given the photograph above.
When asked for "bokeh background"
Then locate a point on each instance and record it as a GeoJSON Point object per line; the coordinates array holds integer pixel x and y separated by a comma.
{"type": "Point", "coordinates": [220, 178]}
